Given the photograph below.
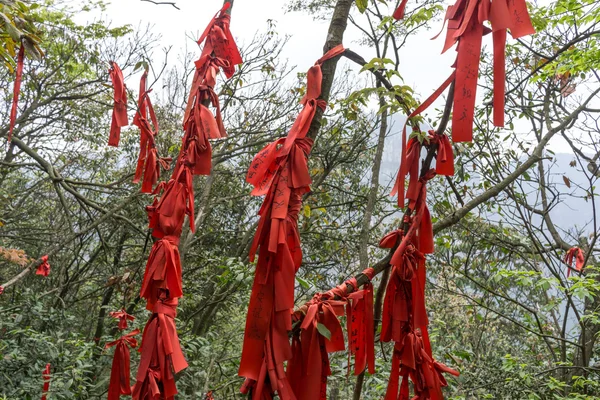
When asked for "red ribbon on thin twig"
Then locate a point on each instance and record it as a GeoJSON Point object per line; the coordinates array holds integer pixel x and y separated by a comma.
{"type": "Point", "coordinates": [123, 317]}
{"type": "Point", "coordinates": [46, 378]}
{"type": "Point", "coordinates": [119, 373]}
{"type": "Point", "coordinates": [574, 253]}
{"type": "Point", "coordinates": [119, 113]}
{"type": "Point", "coordinates": [44, 268]}
{"type": "Point", "coordinates": [16, 91]}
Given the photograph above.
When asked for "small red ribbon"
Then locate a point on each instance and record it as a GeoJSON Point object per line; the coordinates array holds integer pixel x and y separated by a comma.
{"type": "Point", "coordinates": [123, 317]}
{"type": "Point", "coordinates": [444, 164]}
{"type": "Point", "coordinates": [16, 91]}
{"type": "Point", "coordinates": [46, 378]}
{"type": "Point", "coordinates": [574, 253]}
{"type": "Point", "coordinates": [120, 371]}
{"type": "Point", "coordinates": [399, 12]}
{"type": "Point", "coordinates": [361, 342]}
{"type": "Point", "coordinates": [119, 114]}
{"type": "Point", "coordinates": [44, 268]}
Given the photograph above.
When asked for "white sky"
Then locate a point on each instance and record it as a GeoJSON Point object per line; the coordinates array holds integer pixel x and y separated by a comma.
{"type": "Point", "coordinates": [422, 66]}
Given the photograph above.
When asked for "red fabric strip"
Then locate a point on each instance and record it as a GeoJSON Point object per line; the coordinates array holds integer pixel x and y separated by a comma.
{"type": "Point", "coordinates": [16, 91]}
{"type": "Point", "coordinates": [119, 114]}
{"type": "Point", "coordinates": [120, 370]}
{"type": "Point", "coordinates": [46, 378]}
{"type": "Point", "coordinates": [44, 267]}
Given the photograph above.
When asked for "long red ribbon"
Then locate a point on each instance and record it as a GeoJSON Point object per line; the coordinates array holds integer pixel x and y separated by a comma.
{"type": "Point", "coordinates": [119, 114]}
{"type": "Point", "coordinates": [46, 378]}
{"type": "Point", "coordinates": [16, 91]}
{"type": "Point", "coordinates": [120, 371]}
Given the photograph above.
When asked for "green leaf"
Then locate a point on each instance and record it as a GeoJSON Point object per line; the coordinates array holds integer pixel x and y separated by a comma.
{"type": "Point", "coordinates": [306, 211]}
{"type": "Point", "coordinates": [362, 5]}
{"type": "Point", "coordinates": [303, 283]}
{"type": "Point", "coordinates": [323, 330]}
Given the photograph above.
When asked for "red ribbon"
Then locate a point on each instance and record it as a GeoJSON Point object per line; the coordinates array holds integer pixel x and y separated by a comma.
{"type": "Point", "coordinates": [361, 341]}
{"type": "Point", "coordinates": [44, 268]}
{"type": "Point", "coordinates": [46, 378]}
{"type": "Point", "coordinates": [574, 253]}
{"type": "Point", "coordinates": [166, 215]}
{"type": "Point", "coordinates": [163, 271]}
{"type": "Point", "coordinates": [410, 163]}
{"type": "Point", "coordinates": [16, 91]}
{"type": "Point", "coordinates": [161, 355]}
{"type": "Point", "coordinates": [123, 317]}
{"type": "Point", "coordinates": [119, 114]}
{"type": "Point", "coordinates": [444, 164]}
{"type": "Point", "coordinates": [119, 374]}
{"type": "Point", "coordinates": [148, 163]}
{"type": "Point", "coordinates": [399, 12]}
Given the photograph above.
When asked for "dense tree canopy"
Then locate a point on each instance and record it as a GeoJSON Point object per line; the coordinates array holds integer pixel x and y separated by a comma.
{"type": "Point", "coordinates": [504, 309]}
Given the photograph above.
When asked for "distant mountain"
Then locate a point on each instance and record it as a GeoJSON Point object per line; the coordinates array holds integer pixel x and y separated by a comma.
{"type": "Point", "coordinates": [569, 209]}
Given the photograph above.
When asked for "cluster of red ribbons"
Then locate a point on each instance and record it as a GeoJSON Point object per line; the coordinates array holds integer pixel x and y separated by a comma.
{"type": "Point", "coordinates": [321, 333]}
{"type": "Point", "coordinates": [405, 319]}
{"type": "Point", "coordinates": [280, 171]}
{"type": "Point", "coordinates": [120, 370]}
{"type": "Point", "coordinates": [46, 378]}
{"type": "Point", "coordinates": [44, 267]}
{"type": "Point", "coordinates": [16, 90]}
{"type": "Point", "coordinates": [404, 315]}
{"type": "Point", "coordinates": [465, 27]}
{"type": "Point", "coordinates": [148, 163]}
{"type": "Point", "coordinates": [199, 124]}
{"type": "Point", "coordinates": [161, 355]}
{"type": "Point", "coordinates": [119, 114]}
{"type": "Point", "coordinates": [574, 253]}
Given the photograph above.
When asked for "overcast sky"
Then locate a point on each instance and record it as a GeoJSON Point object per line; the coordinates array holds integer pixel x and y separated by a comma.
{"type": "Point", "coordinates": [422, 66]}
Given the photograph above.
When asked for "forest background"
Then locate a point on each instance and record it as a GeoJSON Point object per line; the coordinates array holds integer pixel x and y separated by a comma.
{"type": "Point", "coordinates": [503, 310]}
